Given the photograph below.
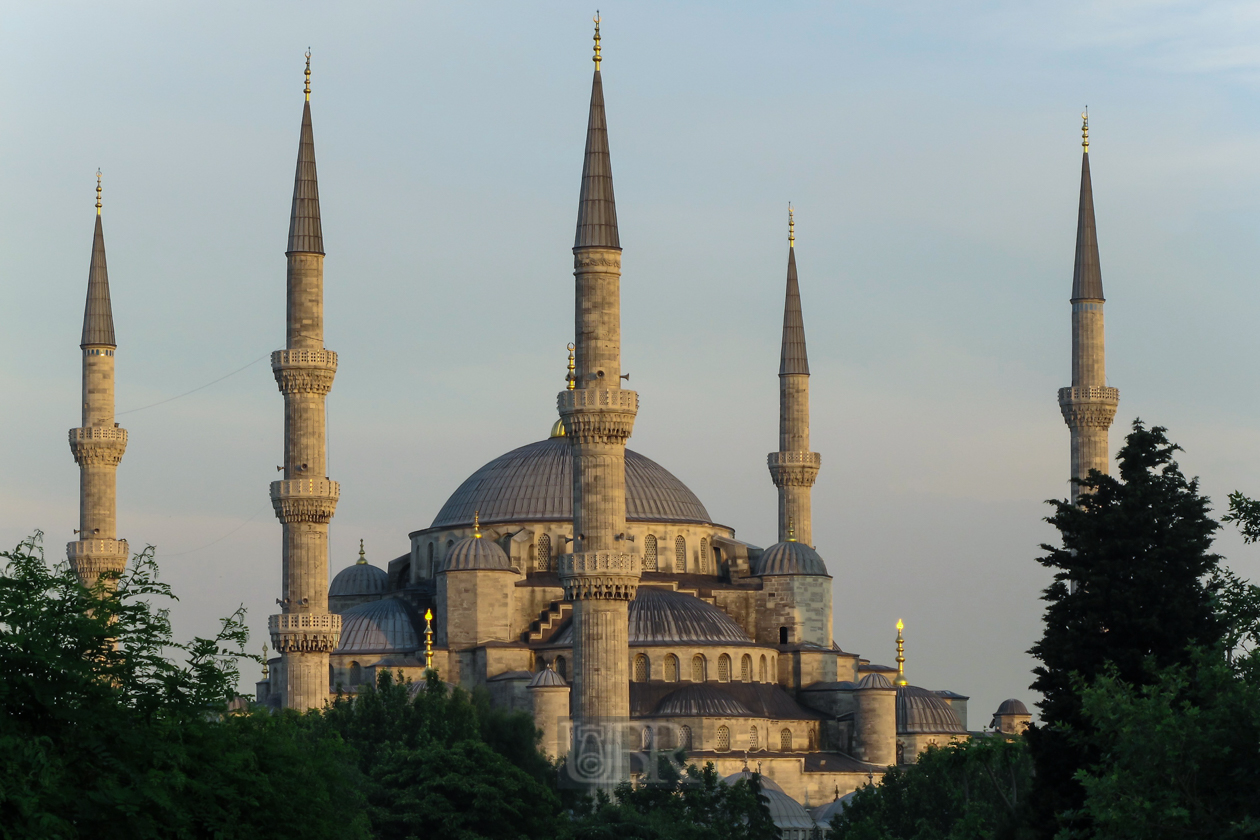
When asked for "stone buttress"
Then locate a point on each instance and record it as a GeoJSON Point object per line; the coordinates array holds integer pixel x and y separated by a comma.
{"type": "Point", "coordinates": [794, 468]}
{"type": "Point", "coordinates": [1089, 405]}
{"type": "Point", "coordinates": [98, 445]}
{"type": "Point", "coordinates": [304, 500]}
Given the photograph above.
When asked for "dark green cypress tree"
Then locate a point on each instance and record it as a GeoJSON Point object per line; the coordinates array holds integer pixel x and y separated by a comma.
{"type": "Point", "coordinates": [1133, 587]}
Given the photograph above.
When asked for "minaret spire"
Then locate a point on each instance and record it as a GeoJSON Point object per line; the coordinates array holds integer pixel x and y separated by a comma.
{"type": "Point", "coordinates": [601, 575]}
{"type": "Point", "coordinates": [1089, 405]}
{"type": "Point", "coordinates": [304, 500]}
{"type": "Point", "coordinates": [794, 468]}
{"type": "Point", "coordinates": [98, 445]}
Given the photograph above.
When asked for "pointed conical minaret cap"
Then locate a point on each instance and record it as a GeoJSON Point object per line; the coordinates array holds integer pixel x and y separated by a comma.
{"type": "Point", "coordinates": [1087, 275]}
{"type": "Point", "coordinates": [793, 358]}
{"type": "Point", "coordinates": [306, 235]}
{"type": "Point", "coordinates": [98, 314]}
{"type": "Point", "coordinates": [597, 209]}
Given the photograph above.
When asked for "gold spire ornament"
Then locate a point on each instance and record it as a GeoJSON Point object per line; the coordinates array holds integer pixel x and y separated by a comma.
{"type": "Point", "coordinates": [901, 655]}
{"type": "Point", "coordinates": [308, 74]}
{"type": "Point", "coordinates": [477, 524]}
{"type": "Point", "coordinates": [266, 671]}
{"type": "Point", "coordinates": [791, 227]}
{"type": "Point", "coordinates": [428, 639]}
{"type": "Point", "coordinates": [98, 192]}
{"type": "Point", "coordinates": [362, 556]}
{"type": "Point", "coordinates": [1085, 129]}
{"type": "Point", "coordinates": [596, 59]}
{"type": "Point", "coordinates": [571, 377]}
{"type": "Point", "coordinates": [791, 530]}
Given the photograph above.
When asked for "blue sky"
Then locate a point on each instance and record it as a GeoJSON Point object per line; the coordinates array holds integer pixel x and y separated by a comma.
{"type": "Point", "coordinates": [932, 153]}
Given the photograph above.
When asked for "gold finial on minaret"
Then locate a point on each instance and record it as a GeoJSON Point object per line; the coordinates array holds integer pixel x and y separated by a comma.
{"type": "Point", "coordinates": [98, 192]}
{"type": "Point", "coordinates": [791, 227]}
{"type": "Point", "coordinates": [791, 530]}
{"type": "Point", "coordinates": [1085, 129]}
{"type": "Point", "coordinates": [266, 671]}
{"type": "Point", "coordinates": [308, 74]}
{"type": "Point", "coordinates": [477, 524]}
{"type": "Point", "coordinates": [901, 655]}
{"type": "Point", "coordinates": [428, 639]}
{"type": "Point", "coordinates": [596, 59]}
{"type": "Point", "coordinates": [362, 556]}
{"type": "Point", "coordinates": [571, 377]}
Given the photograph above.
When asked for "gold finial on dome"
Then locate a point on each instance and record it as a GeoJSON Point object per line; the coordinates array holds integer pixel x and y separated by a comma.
{"type": "Point", "coordinates": [791, 227]}
{"type": "Point", "coordinates": [557, 429]}
{"type": "Point", "coordinates": [308, 74]}
{"type": "Point", "coordinates": [901, 655]}
{"type": "Point", "coordinates": [1085, 129]}
{"type": "Point", "coordinates": [477, 524]}
{"type": "Point", "coordinates": [266, 670]}
{"type": "Point", "coordinates": [791, 530]}
{"type": "Point", "coordinates": [571, 377]}
{"type": "Point", "coordinates": [596, 59]}
{"type": "Point", "coordinates": [428, 640]}
{"type": "Point", "coordinates": [362, 556]}
{"type": "Point", "coordinates": [98, 192]}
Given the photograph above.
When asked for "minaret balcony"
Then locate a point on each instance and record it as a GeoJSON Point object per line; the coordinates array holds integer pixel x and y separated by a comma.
{"type": "Point", "coordinates": [95, 445]}
{"type": "Point", "coordinates": [598, 415]}
{"type": "Point", "coordinates": [305, 499]}
{"type": "Point", "coordinates": [97, 549]}
{"type": "Point", "coordinates": [304, 632]}
{"type": "Point", "coordinates": [1089, 407]}
{"type": "Point", "coordinates": [794, 469]}
{"type": "Point", "coordinates": [599, 575]}
{"type": "Point", "coordinates": [304, 371]}
{"type": "Point", "coordinates": [1091, 394]}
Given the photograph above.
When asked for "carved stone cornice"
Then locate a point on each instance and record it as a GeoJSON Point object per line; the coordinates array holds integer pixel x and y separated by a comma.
{"type": "Point", "coordinates": [305, 500]}
{"type": "Point", "coordinates": [92, 558]}
{"type": "Point", "coordinates": [599, 575]}
{"type": "Point", "coordinates": [1091, 407]}
{"type": "Point", "coordinates": [304, 371]}
{"type": "Point", "coordinates": [597, 258]}
{"type": "Point", "coordinates": [793, 469]}
{"type": "Point", "coordinates": [598, 415]}
{"type": "Point", "coordinates": [98, 445]}
{"type": "Point", "coordinates": [304, 632]}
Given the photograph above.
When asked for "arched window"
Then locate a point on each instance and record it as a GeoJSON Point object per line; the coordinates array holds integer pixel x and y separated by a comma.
{"type": "Point", "coordinates": [331, 678]}
{"type": "Point", "coordinates": [754, 740]}
{"type": "Point", "coordinates": [761, 671]}
{"type": "Point", "coordinates": [724, 739]}
{"type": "Point", "coordinates": [684, 737]}
{"type": "Point", "coordinates": [561, 668]}
{"type": "Point", "coordinates": [783, 635]}
{"type": "Point", "coordinates": [647, 737]}
{"type": "Point", "coordinates": [542, 553]}
{"type": "Point", "coordinates": [640, 668]}
{"type": "Point", "coordinates": [680, 554]}
{"type": "Point", "coordinates": [774, 669]}
{"type": "Point", "coordinates": [429, 562]}
{"type": "Point", "coordinates": [697, 668]}
{"type": "Point", "coordinates": [704, 555]}
{"type": "Point", "coordinates": [356, 673]}
{"type": "Point", "coordinates": [724, 668]}
{"type": "Point", "coordinates": [813, 740]}
{"type": "Point", "coordinates": [671, 668]}
{"type": "Point", "coordinates": [785, 740]}
{"type": "Point", "coordinates": [745, 669]}
{"type": "Point", "coordinates": [649, 553]}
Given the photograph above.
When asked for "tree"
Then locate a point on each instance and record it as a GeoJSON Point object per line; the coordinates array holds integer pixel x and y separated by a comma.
{"type": "Point", "coordinates": [973, 789]}
{"type": "Point", "coordinates": [1134, 589]}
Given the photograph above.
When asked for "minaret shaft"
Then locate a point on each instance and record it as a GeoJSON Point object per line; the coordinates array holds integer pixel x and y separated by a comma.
{"type": "Point", "coordinates": [304, 633]}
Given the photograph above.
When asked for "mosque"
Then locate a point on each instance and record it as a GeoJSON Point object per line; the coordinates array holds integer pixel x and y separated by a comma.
{"type": "Point", "coordinates": [578, 580]}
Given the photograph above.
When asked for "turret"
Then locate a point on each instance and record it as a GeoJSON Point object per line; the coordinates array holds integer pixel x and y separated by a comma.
{"type": "Point", "coordinates": [98, 445]}
{"type": "Point", "coordinates": [794, 468]}
{"type": "Point", "coordinates": [305, 632]}
{"type": "Point", "coordinates": [1089, 405]}
{"type": "Point", "coordinates": [602, 574]}
{"type": "Point", "coordinates": [549, 696]}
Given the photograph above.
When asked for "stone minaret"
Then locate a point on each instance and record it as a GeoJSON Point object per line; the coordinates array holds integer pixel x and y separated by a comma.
{"type": "Point", "coordinates": [305, 632]}
{"type": "Point", "coordinates": [1089, 405]}
{"type": "Point", "coordinates": [98, 445]}
{"type": "Point", "coordinates": [794, 467]}
{"type": "Point", "coordinates": [602, 574]}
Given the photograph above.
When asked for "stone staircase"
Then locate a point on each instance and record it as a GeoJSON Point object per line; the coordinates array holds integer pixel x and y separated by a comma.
{"type": "Point", "coordinates": [548, 620]}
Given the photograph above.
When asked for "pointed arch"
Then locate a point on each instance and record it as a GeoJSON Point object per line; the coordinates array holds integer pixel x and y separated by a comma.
{"type": "Point", "coordinates": [723, 739]}
{"type": "Point", "coordinates": [724, 668]}
{"type": "Point", "coordinates": [542, 553]}
{"type": "Point", "coordinates": [671, 668]}
{"type": "Point", "coordinates": [698, 668]}
{"type": "Point", "coordinates": [745, 669]}
{"type": "Point", "coordinates": [649, 553]}
{"type": "Point", "coordinates": [641, 668]}
{"type": "Point", "coordinates": [704, 555]}
{"type": "Point", "coordinates": [754, 739]}
{"type": "Point", "coordinates": [785, 740]}
{"type": "Point", "coordinates": [680, 554]}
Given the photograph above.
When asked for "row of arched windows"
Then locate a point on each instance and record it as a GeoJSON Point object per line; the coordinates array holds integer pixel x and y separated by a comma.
{"type": "Point", "coordinates": [661, 739]}
{"type": "Point", "coordinates": [642, 671]}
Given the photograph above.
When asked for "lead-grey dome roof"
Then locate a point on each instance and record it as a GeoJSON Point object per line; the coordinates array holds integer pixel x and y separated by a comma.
{"type": "Point", "coordinates": [874, 681]}
{"type": "Point", "coordinates": [476, 553]}
{"type": "Point", "coordinates": [700, 701]}
{"type": "Point", "coordinates": [790, 558]}
{"type": "Point", "coordinates": [665, 617]}
{"type": "Point", "coordinates": [823, 814]}
{"type": "Point", "coordinates": [359, 579]}
{"type": "Point", "coordinates": [767, 783]}
{"type": "Point", "coordinates": [1011, 707]}
{"type": "Point", "coordinates": [922, 711]}
{"type": "Point", "coordinates": [547, 678]}
{"type": "Point", "coordinates": [384, 626]}
{"type": "Point", "coordinates": [535, 483]}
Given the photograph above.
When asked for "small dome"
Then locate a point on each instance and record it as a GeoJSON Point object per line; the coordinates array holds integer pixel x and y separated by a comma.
{"type": "Point", "coordinates": [788, 814]}
{"type": "Point", "coordinates": [790, 558]}
{"type": "Point", "coordinates": [1011, 707]}
{"type": "Point", "coordinates": [823, 814]}
{"type": "Point", "coordinates": [665, 617]}
{"type": "Point", "coordinates": [359, 579]}
{"type": "Point", "coordinates": [557, 429]}
{"type": "Point", "coordinates": [476, 553]}
{"type": "Point", "coordinates": [700, 701]}
{"type": "Point", "coordinates": [547, 678]}
{"type": "Point", "coordinates": [922, 711]}
{"type": "Point", "coordinates": [380, 627]}
{"type": "Point", "coordinates": [767, 783]}
{"type": "Point", "coordinates": [874, 681]}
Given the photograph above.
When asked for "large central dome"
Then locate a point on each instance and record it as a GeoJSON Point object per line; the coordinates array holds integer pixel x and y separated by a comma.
{"type": "Point", "coordinates": [535, 483]}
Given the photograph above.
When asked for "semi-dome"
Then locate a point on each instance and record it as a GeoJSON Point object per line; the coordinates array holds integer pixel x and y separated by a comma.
{"type": "Point", "coordinates": [476, 553]}
{"type": "Point", "coordinates": [874, 681]}
{"type": "Point", "coordinates": [790, 558]}
{"type": "Point", "coordinates": [790, 816]}
{"type": "Point", "coordinates": [535, 483]}
{"type": "Point", "coordinates": [359, 579]}
{"type": "Point", "coordinates": [1011, 707]}
{"type": "Point", "coordinates": [823, 814]}
{"type": "Point", "coordinates": [666, 617]}
{"type": "Point", "coordinates": [378, 627]}
{"type": "Point", "coordinates": [922, 711]}
{"type": "Point", "coordinates": [547, 678]}
{"type": "Point", "coordinates": [700, 701]}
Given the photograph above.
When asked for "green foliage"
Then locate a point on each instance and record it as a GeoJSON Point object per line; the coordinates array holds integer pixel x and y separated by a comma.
{"type": "Point", "coordinates": [1135, 587]}
{"type": "Point", "coordinates": [690, 804]}
{"type": "Point", "coordinates": [973, 789]}
{"type": "Point", "coordinates": [1245, 512]}
{"type": "Point", "coordinates": [104, 736]}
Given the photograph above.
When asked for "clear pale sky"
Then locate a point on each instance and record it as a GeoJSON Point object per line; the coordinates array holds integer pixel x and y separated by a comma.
{"type": "Point", "coordinates": [932, 152]}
